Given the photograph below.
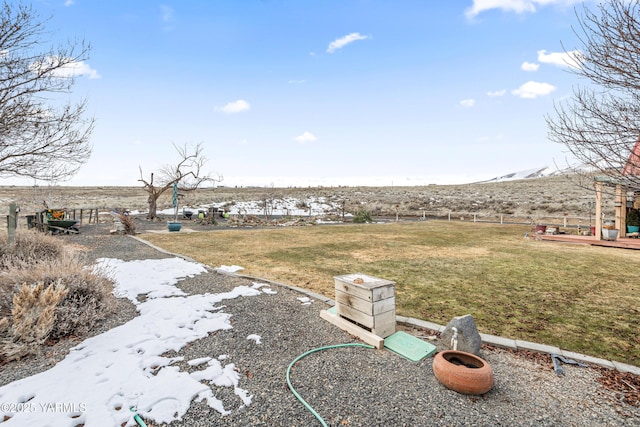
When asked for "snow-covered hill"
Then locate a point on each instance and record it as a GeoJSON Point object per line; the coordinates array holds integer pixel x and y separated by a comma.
{"type": "Point", "coordinates": [531, 173]}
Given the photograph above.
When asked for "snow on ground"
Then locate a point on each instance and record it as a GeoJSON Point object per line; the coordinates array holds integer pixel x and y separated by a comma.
{"type": "Point", "coordinates": [229, 268]}
{"type": "Point", "coordinates": [106, 375]}
{"type": "Point", "coordinates": [279, 207]}
{"type": "Point", "coordinates": [282, 207]}
{"type": "Point", "coordinates": [255, 337]}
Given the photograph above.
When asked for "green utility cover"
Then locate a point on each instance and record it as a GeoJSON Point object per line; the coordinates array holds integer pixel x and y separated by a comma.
{"type": "Point", "coordinates": [408, 346]}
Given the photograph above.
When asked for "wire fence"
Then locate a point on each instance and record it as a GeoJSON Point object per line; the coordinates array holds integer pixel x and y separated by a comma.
{"type": "Point", "coordinates": [565, 221]}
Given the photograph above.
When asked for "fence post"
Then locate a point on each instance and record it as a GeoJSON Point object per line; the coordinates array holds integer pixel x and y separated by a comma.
{"type": "Point", "coordinates": [501, 219]}
{"type": "Point", "coordinates": [474, 217]}
{"type": "Point", "coordinates": [449, 216]}
{"type": "Point", "coordinates": [12, 222]}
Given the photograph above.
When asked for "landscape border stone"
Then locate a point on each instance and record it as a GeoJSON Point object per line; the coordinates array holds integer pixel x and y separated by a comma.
{"type": "Point", "coordinates": [623, 367]}
{"type": "Point", "coordinates": [542, 348]}
{"type": "Point", "coordinates": [499, 341]}
{"type": "Point", "coordinates": [589, 359]}
{"type": "Point", "coordinates": [420, 323]}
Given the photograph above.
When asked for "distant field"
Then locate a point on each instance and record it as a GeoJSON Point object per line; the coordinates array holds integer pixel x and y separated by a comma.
{"type": "Point", "coordinates": [579, 298]}
{"type": "Point", "coordinates": [555, 196]}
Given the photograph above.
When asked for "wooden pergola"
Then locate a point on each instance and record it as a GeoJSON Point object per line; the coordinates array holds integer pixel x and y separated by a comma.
{"type": "Point", "coordinates": [620, 203]}
{"type": "Point", "coordinates": [622, 186]}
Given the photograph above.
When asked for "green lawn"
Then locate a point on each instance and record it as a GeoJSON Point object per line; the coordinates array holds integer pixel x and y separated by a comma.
{"type": "Point", "coordinates": [579, 298]}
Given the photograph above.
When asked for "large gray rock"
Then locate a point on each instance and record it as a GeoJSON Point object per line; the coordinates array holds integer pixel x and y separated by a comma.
{"type": "Point", "coordinates": [468, 336]}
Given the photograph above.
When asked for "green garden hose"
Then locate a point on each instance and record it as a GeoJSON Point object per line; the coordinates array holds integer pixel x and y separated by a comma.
{"type": "Point", "coordinates": [295, 393]}
{"type": "Point", "coordinates": [137, 418]}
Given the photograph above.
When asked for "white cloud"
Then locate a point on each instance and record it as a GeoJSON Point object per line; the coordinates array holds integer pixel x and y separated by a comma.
{"type": "Point", "coordinates": [69, 70]}
{"type": "Point", "coordinates": [305, 137]}
{"type": "Point", "coordinates": [68, 3]}
{"type": "Point", "coordinates": [235, 107]}
{"type": "Point", "coordinates": [166, 16]}
{"type": "Point", "coordinates": [167, 13]}
{"type": "Point", "coordinates": [529, 66]}
{"type": "Point", "coordinates": [343, 41]}
{"type": "Point", "coordinates": [516, 6]}
{"type": "Point", "coordinates": [533, 89]}
{"type": "Point", "coordinates": [561, 59]}
{"type": "Point", "coordinates": [79, 68]}
{"type": "Point", "coordinates": [468, 103]}
{"type": "Point", "coordinates": [496, 93]}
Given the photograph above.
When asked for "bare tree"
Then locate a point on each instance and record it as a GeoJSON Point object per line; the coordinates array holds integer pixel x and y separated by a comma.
{"type": "Point", "coordinates": [187, 173]}
{"type": "Point", "coordinates": [600, 124]}
{"type": "Point", "coordinates": [41, 137]}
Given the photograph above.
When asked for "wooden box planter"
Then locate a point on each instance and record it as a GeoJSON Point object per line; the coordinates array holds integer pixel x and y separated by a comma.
{"type": "Point", "coordinates": [365, 307]}
{"type": "Point", "coordinates": [367, 301]}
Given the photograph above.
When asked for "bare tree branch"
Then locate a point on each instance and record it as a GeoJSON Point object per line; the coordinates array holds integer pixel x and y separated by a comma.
{"type": "Point", "coordinates": [187, 173]}
{"type": "Point", "coordinates": [40, 137]}
{"type": "Point", "coordinates": [600, 124]}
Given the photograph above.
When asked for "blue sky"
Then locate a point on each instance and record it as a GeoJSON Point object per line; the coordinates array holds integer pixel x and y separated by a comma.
{"type": "Point", "coordinates": [290, 92]}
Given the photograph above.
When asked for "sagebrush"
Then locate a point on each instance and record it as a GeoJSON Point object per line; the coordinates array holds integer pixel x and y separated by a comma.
{"type": "Point", "coordinates": [29, 248]}
{"type": "Point", "coordinates": [33, 314]}
{"type": "Point", "coordinates": [85, 296]}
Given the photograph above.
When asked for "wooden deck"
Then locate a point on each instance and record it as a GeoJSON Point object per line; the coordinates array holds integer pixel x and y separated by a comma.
{"type": "Point", "coordinates": [621, 242]}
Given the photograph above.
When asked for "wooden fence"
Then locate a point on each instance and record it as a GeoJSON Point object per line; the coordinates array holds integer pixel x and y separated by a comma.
{"type": "Point", "coordinates": [92, 216]}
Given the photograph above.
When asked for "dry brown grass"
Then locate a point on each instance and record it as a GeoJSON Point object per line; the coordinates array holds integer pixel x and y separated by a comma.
{"type": "Point", "coordinates": [579, 298]}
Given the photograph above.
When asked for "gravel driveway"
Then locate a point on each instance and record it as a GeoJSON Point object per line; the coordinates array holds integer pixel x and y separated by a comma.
{"type": "Point", "coordinates": [350, 386]}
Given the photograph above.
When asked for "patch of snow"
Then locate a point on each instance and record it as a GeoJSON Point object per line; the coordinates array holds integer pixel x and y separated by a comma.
{"type": "Point", "coordinates": [256, 338]}
{"type": "Point", "coordinates": [200, 361]}
{"type": "Point", "coordinates": [229, 268]}
{"type": "Point", "coordinates": [157, 284]}
{"type": "Point", "coordinates": [98, 382]}
{"type": "Point", "coordinates": [305, 300]}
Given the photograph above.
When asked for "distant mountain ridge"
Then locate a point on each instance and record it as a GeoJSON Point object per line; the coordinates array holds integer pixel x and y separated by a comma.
{"type": "Point", "coordinates": [529, 173]}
